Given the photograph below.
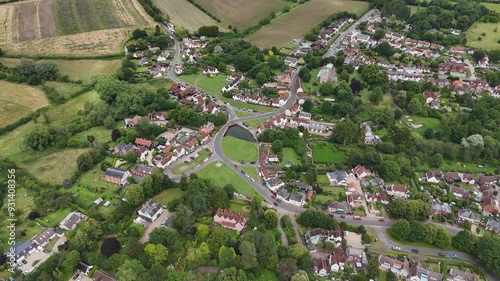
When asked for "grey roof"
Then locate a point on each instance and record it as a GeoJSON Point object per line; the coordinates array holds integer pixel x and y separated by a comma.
{"type": "Point", "coordinates": [121, 146]}
{"type": "Point", "coordinates": [297, 197]}
{"type": "Point", "coordinates": [274, 182]}
{"type": "Point", "coordinates": [22, 247]}
{"type": "Point", "coordinates": [468, 214]}
{"type": "Point", "coordinates": [304, 186]}
{"type": "Point", "coordinates": [493, 223]}
{"type": "Point", "coordinates": [143, 169]}
{"type": "Point", "coordinates": [43, 237]}
{"type": "Point", "coordinates": [84, 267]}
{"type": "Point", "coordinates": [337, 175]}
{"type": "Point", "coordinates": [283, 193]}
{"type": "Point", "coordinates": [115, 172]}
{"type": "Point", "coordinates": [441, 208]}
{"type": "Point", "coordinates": [150, 208]}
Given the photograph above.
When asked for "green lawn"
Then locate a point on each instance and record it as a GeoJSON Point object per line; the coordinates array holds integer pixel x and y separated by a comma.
{"type": "Point", "coordinates": [54, 218]}
{"type": "Point", "coordinates": [240, 104]}
{"type": "Point", "coordinates": [101, 134]}
{"type": "Point", "coordinates": [427, 122]}
{"type": "Point", "coordinates": [241, 114]}
{"type": "Point", "coordinates": [415, 244]}
{"type": "Point", "coordinates": [267, 276]}
{"type": "Point", "coordinates": [492, 6]}
{"type": "Point", "coordinates": [323, 180]}
{"type": "Point", "coordinates": [168, 195]}
{"type": "Point", "coordinates": [333, 189]}
{"type": "Point", "coordinates": [256, 122]}
{"type": "Point", "coordinates": [487, 42]}
{"type": "Point", "coordinates": [238, 205]}
{"type": "Point", "coordinates": [212, 85]}
{"type": "Point", "coordinates": [308, 87]}
{"type": "Point", "coordinates": [324, 152]}
{"type": "Point", "coordinates": [181, 168]}
{"type": "Point", "coordinates": [290, 155]}
{"type": "Point", "coordinates": [239, 150]}
{"type": "Point", "coordinates": [224, 175]}
{"type": "Point", "coordinates": [382, 276]}
{"type": "Point", "coordinates": [251, 171]}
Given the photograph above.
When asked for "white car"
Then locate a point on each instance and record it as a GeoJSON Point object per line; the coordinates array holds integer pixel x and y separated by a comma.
{"type": "Point", "coordinates": [396, 248]}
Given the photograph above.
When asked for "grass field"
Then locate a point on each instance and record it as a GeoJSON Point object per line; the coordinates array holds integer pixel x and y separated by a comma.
{"type": "Point", "coordinates": [101, 134]}
{"type": "Point", "coordinates": [289, 155]}
{"type": "Point", "coordinates": [241, 114]}
{"type": "Point", "coordinates": [238, 150]}
{"type": "Point", "coordinates": [327, 153]}
{"type": "Point", "coordinates": [242, 13]}
{"type": "Point", "coordinates": [179, 169]}
{"type": "Point", "coordinates": [54, 168]}
{"type": "Point", "coordinates": [488, 42]}
{"type": "Point", "coordinates": [492, 6]}
{"type": "Point", "coordinates": [245, 105]}
{"type": "Point", "coordinates": [17, 101]}
{"type": "Point", "coordinates": [251, 171]}
{"type": "Point", "coordinates": [168, 195]}
{"type": "Point", "coordinates": [211, 85]}
{"type": "Point", "coordinates": [185, 14]}
{"type": "Point", "coordinates": [256, 122]}
{"type": "Point", "coordinates": [224, 175]}
{"type": "Point", "coordinates": [427, 122]}
{"type": "Point", "coordinates": [64, 112]}
{"type": "Point", "coordinates": [299, 21]}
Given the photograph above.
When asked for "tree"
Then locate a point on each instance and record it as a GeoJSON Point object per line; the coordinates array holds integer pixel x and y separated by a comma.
{"type": "Point", "coordinates": [304, 74]}
{"type": "Point", "coordinates": [436, 160]}
{"type": "Point", "coordinates": [296, 251]}
{"type": "Point", "coordinates": [373, 269]}
{"type": "Point", "coordinates": [232, 274]}
{"type": "Point", "coordinates": [443, 238]}
{"type": "Point", "coordinates": [486, 250]}
{"type": "Point", "coordinates": [183, 219]}
{"type": "Point", "coordinates": [385, 50]}
{"type": "Point", "coordinates": [156, 252]}
{"type": "Point", "coordinates": [301, 275]}
{"type": "Point", "coordinates": [415, 106]}
{"type": "Point", "coordinates": [39, 137]}
{"type": "Point", "coordinates": [356, 86]}
{"type": "Point", "coordinates": [376, 95]}
{"type": "Point", "coordinates": [389, 170]}
{"type": "Point", "coordinates": [134, 194]}
{"type": "Point", "coordinates": [307, 106]}
{"type": "Point", "coordinates": [130, 270]}
{"type": "Point", "coordinates": [391, 276]}
{"type": "Point", "coordinates": [115, 134]}
{"type": "Point", "coordinates": [210, 31]}
{"type": "Point", "coordinates": [277, 146]}
{"type": "Point", "coordinates": [401, 229]}
{"type": "Point", "coordinates": [195, 258]}
{"type": "Point", "coordinates": [110, 246]}
{"type": "Point", "coordinates": [248, 258]}
{"type": "Point", "coordinates": [327, 89]}
{"type": "Point", "coordinates": [345, 132]}
{"type": "Point", "coordinates": [464, 241]}
{"type": "Point", "coordinates": [138, 33]}
{"type": "Point", "coordinates": [271, 219]}
{"type": "Point", "coordinates": [71, 260]}
{"type": "Point", "coordinates": [227, 256]}
{"type": "Point", "coordinates": [33, 215]}
{"type": "Point", "coordinates": [286, 269]}
{"type": "Point", "coordinates": [46, 70]}
{"type": "Point", "coordinates": [379, 34]}
{"type": "Point", "coordinates": [374, 76]}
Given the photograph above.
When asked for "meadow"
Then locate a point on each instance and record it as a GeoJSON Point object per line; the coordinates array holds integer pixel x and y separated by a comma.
{"type": "Point", "coordinates": [299, 21]}
{"type": "Point", "coordinates": [489, 41]}
{"type": "Point", "coordinates": [168, 195]}
{"type": "Point", "coordinates": [61, 114]}
{"type": "Point", "coordinates": [185, 14]}
{"type": "Point", "coordinates": [492, 6]}
{"type": "Point", "coordinates": [239, 150]}
{"type": "Point", "coordinates": [256, 122]}
{"type": "Point", "coordinates": [242, 13]}
{"type": "Point", "coordinates": [327, 153]}
{"type": "Point", "coordinates": [224, 175]}
{"type": "Point", "coordinates": [18, 100]}
{"type": "Point", "coordinates": [289, 155]}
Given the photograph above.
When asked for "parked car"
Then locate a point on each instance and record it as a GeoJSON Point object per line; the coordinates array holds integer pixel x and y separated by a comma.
{"type": "Point", "coordinates": [396, 248]}
{"type": "Point", "coordinates": [442, 254]}
{"type": "Point", "coordinates": [331, 215]}
{"type": "Point", "coordinates": [272, 196]}
{"type": "Point", "coordinates": [275, 204]}
{"type": "Point", "coordinates": [278, 200]}
{"type": "Point", "coordinates": [414, 251]}
{"type": "Point", "coordinates": [381, 219]}
{"type": "Point", "coordinates": [453, 256]}
{"type": "Point", "coordinates": [357, 218]}
{"type": "Point", "coordinates": [342, 216]}
{"type": "Point", "coordinates": [243, 172]}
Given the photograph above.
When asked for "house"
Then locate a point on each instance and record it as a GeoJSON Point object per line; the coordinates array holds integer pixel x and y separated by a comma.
{"type": "Point", "coordinates": [327, 74]}
{"type": "Point", "coordinates": [360, 171]}
{"type": "Point", "coordinates": [339, 207]}
{"type": "Point", "coordinates": [452, 177]}
{"type": "Point", "coordinates": [142, 170]}
{"type": "Point", "coordinates": [133, 122]}
{"type": "Point", "coordinates": [400, 268]}
{"type": "Point", "coordinates": [433, 176]}
{"type": "Point", "coordinates": [229, 219]}
{"type": "Point", "coordinates": [441, 209]}
{"type": "Point", "coordinates": [320, 268]}
{"type": "Point", "coordinates": [466, 215]}
{"type": "Point", "coordinates": [337, 259]}
{"type": "Point", "coordinates": [337, 178]}
{"type": "Point", "coordinates": [207, 128]}
{"type": "Point", "coordinates": [84, 268]}
{"type": "Point", "coordinates": [460, 192]}
{"type": "Point", "coordinates": [290, 61]}
{"type": "Point", "coordinates": [490, 204]}
{"type": "Point", "coordinates": [98, 201]}
{"type": "Point", "coordinates": [459, 275]}
{"type": "Point", "coordinates": [282, 194]}
{"type": "Point", "coordinates": [122, 148]}
{"type": "Point", "coordinates": [157, 116]}
{"type": "Point", "coordinates": [149, 211]}
{"type": "Point", "coordinates": [488, 180]}
{"type": "Point", "coordinates": [273, 158]}
{"type": "Point", "coordinates": [23, 249]}
{"type": "Point", "coordinates": [297, 198]}
{"type": "Point", "coordinates": [418, 273]}
{"type": "Point", "coordinates": [314, 235]}
{"type": "Point", "coordinates": [143, 142]}
{"type": "Point", "coordinates": [274, 184]}
{"type": "Point", "coordinates": [72, 220]}
{"type": "Point", "coordinates": [45, 237]}
{"type": "Point", "coordinates": [100, 275]}
{"type": "Point", "coordinates": [493, 226]}
{"type": "Point", "coordinates": [209, 70]}
{"type": "Point", "coordinates": [116, 175]}
{"type": "Point", "coordinates": [381, 197]}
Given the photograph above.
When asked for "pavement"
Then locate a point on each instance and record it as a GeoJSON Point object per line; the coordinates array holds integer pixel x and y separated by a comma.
{"type": "Point", "coordinates": [153, 225]}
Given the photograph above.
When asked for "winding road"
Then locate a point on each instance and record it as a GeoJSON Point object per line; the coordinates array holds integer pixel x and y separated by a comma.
{"type": "Point", "coordinates": [286, 208]}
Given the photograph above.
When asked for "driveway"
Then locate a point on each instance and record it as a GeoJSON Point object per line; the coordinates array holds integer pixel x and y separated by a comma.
{"type": "Point", "coordinates": [34, 260]}
{"type": "Point", "coordinates": [59, 242]}
{"type": "Point", "coordinates": [153, 225]}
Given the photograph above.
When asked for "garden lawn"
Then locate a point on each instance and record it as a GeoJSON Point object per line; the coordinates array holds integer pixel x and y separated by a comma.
{"type": "Point", "coordinates": [268, 276]}
{"type": "Point", "coordinates": [324, 152]}
{"type": "Point", "coordinates": [210, 84]}
{"type": "Point", "coordinates": [323, 180]}
{"type": "Point", "coordinates": [427, 122]}
{"type": "Point", "coordinates": [289, 155]}
{"type": "Point", "coordinates": [382, 276]}
{"type": "Point", "coordinates": [256, 122]}
{"type": "Point", "coordinates": [182, 168]}
{"type": "Point", "coordinates": [241, 114]}
{"type": "Point", "coordinates": [101, 134]}
{"type": "Point", "coordinates": [191, 78]}
{"type": "Point", "coordinates": [251, 172]}
{"type": "Point", "coordinates": [54, 218]}
{"type": "Point", "coordinates": [168, 195]}
{"type": "Point", "coordinates": [237, 205]}
{"type": "Point", "coordinates": [224, 175]}
{"type": "Point", "coordinates": [488, 42]}
{"type": "Point", "coordinates": [239, 150]}
{"type": "Point", "coordinates": [333, 189]}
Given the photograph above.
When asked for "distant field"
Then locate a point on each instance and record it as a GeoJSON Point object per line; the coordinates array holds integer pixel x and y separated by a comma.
{"type": "Point", "coordinates": [302, 19]}
{"type": "Point", "coordinates": [61, 114]}
{"type": "Point", "coordinates": [17, 101]}
{"type": "Point", "coordinates": [242, 13]}
{"type": "Point", "coordinates": [492, 6]}
{"type": "Point", "coordinates": [54, 168]}
{"type": "Point", "coordinates": [39, 26]}
{"type": "Point", "coordinates": [488, 42]}
{"type": "Point", "coordinates": [224, 175]}
{"type": "Point", "coordinates": [185, 14]}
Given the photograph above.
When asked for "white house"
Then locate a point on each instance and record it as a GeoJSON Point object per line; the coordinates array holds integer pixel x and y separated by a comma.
{"type": "Point", "coordinates": [149, 212]}
{"type": "Point", "coordinates": [274, 184]}
{"type": "Point", "coordinates": [209, 70]}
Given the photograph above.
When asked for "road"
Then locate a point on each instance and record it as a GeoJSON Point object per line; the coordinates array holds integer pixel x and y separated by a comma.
{"type": "Point", "coordinates": [290, 209]}
{"type": "Point", "coordinates": [351, 28]}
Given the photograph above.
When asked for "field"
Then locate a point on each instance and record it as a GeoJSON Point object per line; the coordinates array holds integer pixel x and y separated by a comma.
{"type": "Point", "coordinates": [185, 14]}
{"type": "Point", "coordinates": [327, 153]}
{"type": "Point", "coordinates": [289, 155]}
{"type": "Point", "coordinates": [427, 122]}
{"type": "Point", "coordinates": [251, 172]}
{"type": "Point", "coordinates": [68, 27]}
{"type": "Point", "coordinates": [211, 85]}
{"type": "Point", "coordinates": [54, 168]}
{"type": "Point", "coordinates": [168, 195]}
{"type": "Point", "coordinates": [492, 6]}
{"type": "Point", "coordinates": [181, 168]}
{"type": "Point", "coordinates": [224, 175]}
{"type": "Point", "coordinates": [65, 112]}
{"type": "Point", "coordinates": [299, 21]}
{"type": "Point", "coordinates": [488, 42]}
{"type": "Point", "coordinates": [255, 122]}
{"type": "Point", "coordinates": [101, 134]}
{"type": "Point", "coordinates": [242, 13]}
{"type": "Point", "coordinates": [239, 150]}
{"type": "Point", "coordinates": [17, 101]}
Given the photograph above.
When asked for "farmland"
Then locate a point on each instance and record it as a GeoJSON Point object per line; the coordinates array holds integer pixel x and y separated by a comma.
{"type": "Point", "coordinates": [185, 14]}
{"type": "Point", "coordinates": [242, 13]}
{"type": "Point", "coordinates": [489, 41]}
{"type": "Point", "coordinates": [17, 101]}
{"type": "Point", "coordinates": [68, 27]}
{"type": "Point", "coordinates": [300, 20]}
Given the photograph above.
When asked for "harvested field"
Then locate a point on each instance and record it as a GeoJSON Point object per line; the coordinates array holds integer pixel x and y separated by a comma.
{"type": "Point", "coordinates": [27, 25]}
{"type": "Point", "coordinates": [17, 101]}
{"type": "Point", "coordinates": [7, 19]}
{"type": "Point", "coordinates": [242, 13]}
{"type": "Point", "coordinates": [299, 21]}
{"type": "Point", "coordinates": [185, 14]}
{"type": "Point", "coordinates": [46, 18]}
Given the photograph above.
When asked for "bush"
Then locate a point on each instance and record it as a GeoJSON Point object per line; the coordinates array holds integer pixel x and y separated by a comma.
{"type": "Point", "coordinates": [286, 224]}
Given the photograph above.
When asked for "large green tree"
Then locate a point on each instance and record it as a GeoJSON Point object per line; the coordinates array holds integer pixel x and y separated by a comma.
{"type": "Point", "coordinates": [401, 229]}
{"type": "Point", "coordinates": [345, 132]}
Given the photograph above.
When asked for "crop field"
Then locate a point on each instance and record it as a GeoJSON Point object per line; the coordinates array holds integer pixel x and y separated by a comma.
{"type": "Point", "coordinates": [242, 13]}
{"type": "Point", "coordinates": [185, 14]}
{"type": "Point", "coordinates": [17, 101]}
{"type": "Point", "coordinates": [489, 41]}
{"type": "Point", "coordinates": [40, 26]}
{"type": "Point", "coordinates": [299, 21]}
